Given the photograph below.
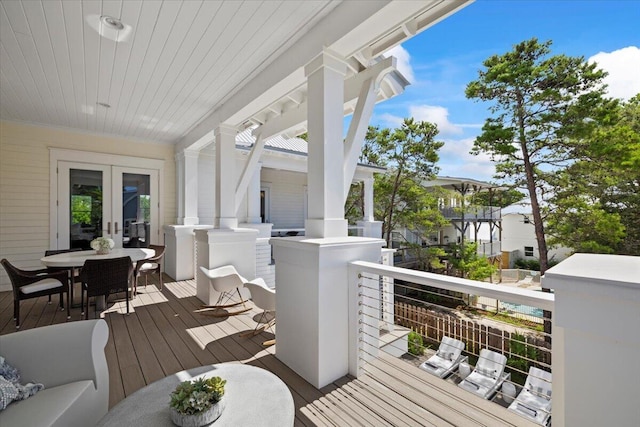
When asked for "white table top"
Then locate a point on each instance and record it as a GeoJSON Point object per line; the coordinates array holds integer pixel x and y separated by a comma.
{"type": "Point", "coordinates": [77, 259]}
{"type": "Point", "coordinates": [253, 397]}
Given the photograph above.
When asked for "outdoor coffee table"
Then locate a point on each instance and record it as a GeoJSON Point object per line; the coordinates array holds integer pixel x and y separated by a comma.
{"type": "Point", "coordinates": [253, 397]}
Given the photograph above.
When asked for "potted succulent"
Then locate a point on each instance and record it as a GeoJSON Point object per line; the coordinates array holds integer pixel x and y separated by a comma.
{"type": "Point", "coordinates": [102, 245]}
{"type": "Point", "coordinates": [198, 402]}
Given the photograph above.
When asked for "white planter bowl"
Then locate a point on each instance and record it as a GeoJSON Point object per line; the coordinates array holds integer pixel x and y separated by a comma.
{"type": "Point", "coordinates": [198, 420]}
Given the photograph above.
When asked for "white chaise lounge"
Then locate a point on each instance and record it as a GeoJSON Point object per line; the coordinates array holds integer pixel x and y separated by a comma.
{"type": "Point", "coordinates": [69, 360]}
{"type": "Point", "coordinates": [534, 401]}
{"type": "Point", "coordinates": [447, 358]}
{"type": "Point", "coordinates": [488, 374]}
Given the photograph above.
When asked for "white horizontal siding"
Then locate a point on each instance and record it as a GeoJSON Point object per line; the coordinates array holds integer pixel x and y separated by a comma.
{"type": "Point", "coordinates": [287, 197]}
{"type": "Point", "coordinates": [264, 268]}
{"type": "Point", "coordinates": [24, 185]}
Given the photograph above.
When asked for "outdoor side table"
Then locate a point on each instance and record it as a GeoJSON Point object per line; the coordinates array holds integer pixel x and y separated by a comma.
{"type": "Point", "coordinates": [253, 397]}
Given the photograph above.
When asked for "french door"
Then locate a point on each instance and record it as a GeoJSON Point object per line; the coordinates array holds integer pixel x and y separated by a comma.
{"type": "Point", "coordinates": [105, 200]}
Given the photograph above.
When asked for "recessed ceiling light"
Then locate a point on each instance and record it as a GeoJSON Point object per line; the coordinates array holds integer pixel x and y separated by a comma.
{"type": "Point", "coordinates": [111, 22]}
{"type": "Point", "coordinates": [103, 104]}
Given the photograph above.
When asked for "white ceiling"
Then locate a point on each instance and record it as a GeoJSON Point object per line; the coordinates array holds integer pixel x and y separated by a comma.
{"type": "Point", "coordinates": [183, 62]}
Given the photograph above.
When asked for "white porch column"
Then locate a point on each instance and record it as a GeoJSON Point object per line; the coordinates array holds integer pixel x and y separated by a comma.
{"type": "Point", "coordinates": [596, 342]}
{"type": "Point", "coordinates": [325, 75]}
{"type": "Point", "coordinates": [312, 301]}
{"type": "Point", "coordinates": [370, 227]}
{"type": "Point", "coordinates": [253, 197]}
{"type": "Point", "coordinates": [218, 247]}
{"type": "Point", "coordinates": [187, 187]}
{"type": "Point", "coordinates": [226, 178]}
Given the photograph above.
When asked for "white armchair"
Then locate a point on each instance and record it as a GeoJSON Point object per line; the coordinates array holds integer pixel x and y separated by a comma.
{"type": "Point", "coordinates": [69, 360]}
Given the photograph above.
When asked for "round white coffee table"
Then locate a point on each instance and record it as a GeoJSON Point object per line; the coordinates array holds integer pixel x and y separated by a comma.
{"type": "Point", "coordinates": [253, 397]}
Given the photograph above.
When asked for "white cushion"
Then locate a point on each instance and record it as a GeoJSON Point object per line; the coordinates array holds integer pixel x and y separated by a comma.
{"type": "Point", "coordinates": [42, 285]}
{"type": "Point", "coordinates": [148, 266]}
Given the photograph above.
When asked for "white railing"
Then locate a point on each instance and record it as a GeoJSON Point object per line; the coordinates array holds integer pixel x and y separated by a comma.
{"type": "Point", "coordinates": [433, 306]}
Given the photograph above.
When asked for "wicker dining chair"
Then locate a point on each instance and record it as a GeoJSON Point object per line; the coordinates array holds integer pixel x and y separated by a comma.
{"type": "Point", "coordinates": [149, 266]}
{"type": "Point", "coordinates": [74, 273]}
{"type": "Point", "coordinates": [36, 283]}
{"type": "Point", "coordinates": [102, 277]}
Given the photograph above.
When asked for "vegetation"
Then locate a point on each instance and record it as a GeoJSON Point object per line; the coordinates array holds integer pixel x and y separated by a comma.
{"type": "Point", "coordinates": [416, 344]}
{"type": "Point", "coordinates": [410, 153]}
{"type": "Point", "coordinates": [596, 203]}
{"type": "Point", "coordinates": [542, 107]}
{"type": "Point", "coordinates": [497, 198]}
{"type": "Point", "coordinates": [469, 264]}
{"type": "Point", "coordinates": [192, 397]}
{"type": "Point", "coordinates": [523, 356]}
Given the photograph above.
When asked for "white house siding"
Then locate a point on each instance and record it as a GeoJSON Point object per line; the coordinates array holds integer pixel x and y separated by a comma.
{"type": "Point", "coordinates": [516, 234]}
{"type": "Point", "coordinates": [24, 184]}
{"type": "Point", "coordinates": [287, 197]}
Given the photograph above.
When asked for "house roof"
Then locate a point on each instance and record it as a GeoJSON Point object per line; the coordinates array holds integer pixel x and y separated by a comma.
{"type": "Point", "coordinates": [292, 146]}
{"type": "Point", "coordinates": [177, 70]}
{"type": "Point", "coordinates": [455, 183]}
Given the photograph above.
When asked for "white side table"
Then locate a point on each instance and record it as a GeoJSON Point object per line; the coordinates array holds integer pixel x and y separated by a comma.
{"type": "Point", "coordinates": [464, 370]}
{"type": "Point", "coordinates": [508, 392]}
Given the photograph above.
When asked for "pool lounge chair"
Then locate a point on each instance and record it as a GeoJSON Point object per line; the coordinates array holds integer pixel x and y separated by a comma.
{"type": "Point", "coordinates": [488, 374]}
{"type": "Point", "coordinates": [447, 358]}
{"type": "Point", "coordinates": [534, 401]}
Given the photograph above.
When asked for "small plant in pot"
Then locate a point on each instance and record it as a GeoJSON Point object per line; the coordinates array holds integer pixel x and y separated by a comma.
{"type": "Point", "coordinates": [198, 402]}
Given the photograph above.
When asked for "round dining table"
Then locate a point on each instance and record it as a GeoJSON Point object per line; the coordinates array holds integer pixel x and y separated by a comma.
{"type": "Point", "coordinates": [76, 259]}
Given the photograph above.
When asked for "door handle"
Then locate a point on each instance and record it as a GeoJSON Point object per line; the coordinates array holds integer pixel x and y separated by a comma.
{"type": "Point", "coordinates": [109, 227]}
{"type": "Point", "coordinates": [116, 227]}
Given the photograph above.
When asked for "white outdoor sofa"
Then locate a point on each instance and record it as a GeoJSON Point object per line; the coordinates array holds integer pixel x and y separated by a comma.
{"type": "Point", "coordinates": [69, 360]}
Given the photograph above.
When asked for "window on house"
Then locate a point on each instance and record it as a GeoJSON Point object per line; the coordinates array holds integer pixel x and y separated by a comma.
{"type": "Point", "coordinates": [528, 251]}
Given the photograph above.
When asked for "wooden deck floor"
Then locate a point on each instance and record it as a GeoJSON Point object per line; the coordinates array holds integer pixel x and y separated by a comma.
{"type": "Point", "coordinates": [165, 334]}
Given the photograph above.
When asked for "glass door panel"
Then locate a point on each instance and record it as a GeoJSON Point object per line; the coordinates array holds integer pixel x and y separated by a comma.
{"type": "Point", "coordinates": [135, 209]}
{"type": "Point", "coordinates": [84, 209]}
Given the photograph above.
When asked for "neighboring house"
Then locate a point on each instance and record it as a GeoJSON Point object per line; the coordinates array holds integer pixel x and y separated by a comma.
{"type": "Point", "coordinates": [467, 222]}
{"type": "Point", "coordinates": [519, 237]}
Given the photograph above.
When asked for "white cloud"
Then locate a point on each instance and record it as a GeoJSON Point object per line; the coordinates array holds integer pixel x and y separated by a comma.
{"type": "Point", "coordinates": [389, 120]}
{"type": "Point", "coordinates": [455, 160]}
{"type": "Point", "coordinates": [623, 66]}
{"type": "Point", "coordinates": [435, 114]}
{"type": "Point", "coordinates": [404, 62]}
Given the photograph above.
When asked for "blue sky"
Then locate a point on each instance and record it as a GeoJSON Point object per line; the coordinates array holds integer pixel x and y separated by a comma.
{"type": "Point", "coordinates": [443, 59]}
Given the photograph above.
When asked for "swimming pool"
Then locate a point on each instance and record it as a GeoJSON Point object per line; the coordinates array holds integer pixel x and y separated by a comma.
{"type": "Point", "coordinates": [522, 309]}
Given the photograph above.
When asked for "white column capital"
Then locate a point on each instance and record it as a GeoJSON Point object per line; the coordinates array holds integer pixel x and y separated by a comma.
{"type": "Point", "coordinates": [224, 129]}
{"type": "Point", "coordinates": [326, 59]}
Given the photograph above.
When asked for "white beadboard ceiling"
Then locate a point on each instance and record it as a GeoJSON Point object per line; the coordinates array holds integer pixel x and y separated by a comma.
{"type": "Point", "coordinates": [180, 59]}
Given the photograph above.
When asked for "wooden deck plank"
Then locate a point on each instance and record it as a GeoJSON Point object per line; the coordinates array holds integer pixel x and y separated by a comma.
{"type": "Point", "coordinates": [131, 371]}
{"type": "Point", "coordinates": [165, 333]}
{"type": "Point", "coordinates": [116, 389]}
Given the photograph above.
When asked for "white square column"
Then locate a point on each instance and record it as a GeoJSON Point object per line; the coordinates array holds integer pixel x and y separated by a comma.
{"type": "Point", "coordinates": [226, 176]}
{"type": "Point", "coordinates": [218, 247]}
{"type": "Point", "coordinates": [312, 303]}
{"type": "Point", "coordinates": [187, 187]}
{"type": "Point", "coordinates": [325, 115]}
{"type": "Point", "coordinates": [596, 340]}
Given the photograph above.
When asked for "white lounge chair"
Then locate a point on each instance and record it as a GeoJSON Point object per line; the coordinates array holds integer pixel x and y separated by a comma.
{"type": "Point", "coordinates": [447, 358]}
{"type": "Point", "coordinates": [488, 374]}
{"type": "Point", "coordinates": [534, 401]}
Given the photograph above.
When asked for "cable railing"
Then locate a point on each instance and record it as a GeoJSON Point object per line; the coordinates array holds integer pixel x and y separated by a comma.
{"type": "Point", "coordinates": [406, 314]}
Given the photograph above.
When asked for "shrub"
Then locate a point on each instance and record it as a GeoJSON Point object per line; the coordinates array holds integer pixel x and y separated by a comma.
{"type": "Point", "coordinates": [416, 344]}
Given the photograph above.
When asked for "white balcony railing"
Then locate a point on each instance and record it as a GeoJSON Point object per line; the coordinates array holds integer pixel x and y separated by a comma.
{"type": "Point", "coordinates": [433, 306]}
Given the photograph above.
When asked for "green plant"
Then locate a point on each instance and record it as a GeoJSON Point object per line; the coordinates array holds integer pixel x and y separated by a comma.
{"type": "Point", "coordinates": [416, 344]}
{"type": "Point", "coordinates": [192, 397]}
{"type": "Point", "coordinates": [523, 356]}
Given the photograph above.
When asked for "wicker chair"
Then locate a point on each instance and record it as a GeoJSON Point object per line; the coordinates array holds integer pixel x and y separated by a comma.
{"type": "Point", "coordinates": [35, 283]}
{"type": "Point", "coordinates": [74, 273]}
{"type": "Point", "coordinates": [101, 277]}
{"type": "Point", "coordinates": [149, 266]}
